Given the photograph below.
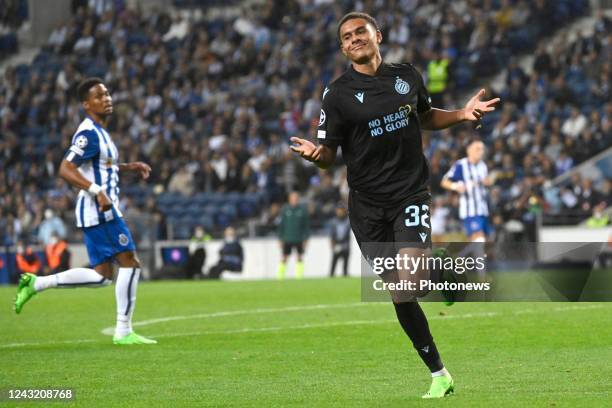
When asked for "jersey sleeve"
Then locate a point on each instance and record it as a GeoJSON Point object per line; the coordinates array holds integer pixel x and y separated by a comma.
{"type": "Point", "coordinates": [85, 146]}
{"type": "Point", "coordinates": [423, 98]}
{"type": "Point", "coordinates": [329, 132]}
{"type": "Point", "coordinates": [455, 173]}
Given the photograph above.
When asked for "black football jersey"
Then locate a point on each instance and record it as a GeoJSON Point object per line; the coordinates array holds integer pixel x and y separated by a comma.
{"type": "Point", "coordinates": [375, 121]}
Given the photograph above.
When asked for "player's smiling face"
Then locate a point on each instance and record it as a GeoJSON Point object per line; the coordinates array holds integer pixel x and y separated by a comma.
{"type": "Point", "coordinates": [359, 40]}
{"type": "Point", "coordinates": [99, 101]}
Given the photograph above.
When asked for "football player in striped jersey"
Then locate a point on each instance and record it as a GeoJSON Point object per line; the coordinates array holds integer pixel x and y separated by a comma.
{"type": "Point", "coordinates": [92, 165]}
{"type": "Point", "coordinates": [469, 177]}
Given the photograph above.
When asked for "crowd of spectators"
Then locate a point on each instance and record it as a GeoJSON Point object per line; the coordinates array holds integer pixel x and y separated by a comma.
{"type": "Point", "coordinates": [550, 121]}
{"type": "Point", "coordinates": [211, 103]}
{"type": "Point", "coordinates": [13, 13]}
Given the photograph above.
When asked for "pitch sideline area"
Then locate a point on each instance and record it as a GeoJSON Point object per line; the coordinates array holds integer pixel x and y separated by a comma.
{"type": "Point", "coordinates": [305, 342]}
{"type": "Point", "coordinates": [108, 331]}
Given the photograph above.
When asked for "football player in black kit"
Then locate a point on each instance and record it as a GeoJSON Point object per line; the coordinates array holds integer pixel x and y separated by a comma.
{"type": "Point", "coordinates": [375, 112]}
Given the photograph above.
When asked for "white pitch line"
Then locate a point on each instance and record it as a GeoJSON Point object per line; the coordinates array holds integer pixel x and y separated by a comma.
{"type": "Point", "coordinates": [581, 307]}
{"type": "Point", "coordinates": [278, 328]}
{"type": "Point", "coordinates": [364, 322]}
{"type": "Point", "coordinates": [304, 326]}
{"type": "Point", "coordinates": [272, 329]}
{"type": "Point", "coordinates": [47, 343]}
{"type": "Point", "coordinates": [320, 325]}
{"type": "Point", "coordinates": [111, 329]}
{"type": "Point", "coordinates": [559, 309]}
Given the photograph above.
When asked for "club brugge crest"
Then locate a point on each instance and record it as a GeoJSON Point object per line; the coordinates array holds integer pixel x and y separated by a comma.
{"type": "Point", "coordinates": [123, 239]}
{"type": "Point", "coordinates": [401, 86]}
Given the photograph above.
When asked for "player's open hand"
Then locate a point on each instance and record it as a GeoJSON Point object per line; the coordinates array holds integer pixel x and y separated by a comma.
{"type": "Point", "coordinates": [475, 108]}
{"type": "Point", "coordinates": [306, 149]}
{"type": "Point", "coordinates": [143, 169]}
{"type": "Point", "coordinates": [104, 202]}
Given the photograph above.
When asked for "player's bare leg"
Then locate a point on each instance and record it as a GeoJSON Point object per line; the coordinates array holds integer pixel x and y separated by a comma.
{"type": "Point", "coordinates": [105, 269]}
{"type": "Point", "coordinates": [125, 294]}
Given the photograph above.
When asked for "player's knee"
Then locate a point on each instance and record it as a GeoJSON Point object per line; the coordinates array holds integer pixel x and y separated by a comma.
{"type": "Point", "coordinates": [108, 276]}
{"type": "Point", "coordinates": [128, 260]}
{"type": "Point", "coordinates": [135, 262]}
{"type": "Point", "coordinates": [106, 270]}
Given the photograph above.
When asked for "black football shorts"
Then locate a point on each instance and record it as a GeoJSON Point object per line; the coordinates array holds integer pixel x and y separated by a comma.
{"type": "Point", "coordinates": [406, 223]}
{"type": "Point", "coordinates": [288, 247]}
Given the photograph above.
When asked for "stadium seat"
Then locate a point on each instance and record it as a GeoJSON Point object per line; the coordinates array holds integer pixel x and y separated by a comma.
{"type": "Point", "coordinates": [207, 221]}
{"type": "Point", "coordinates": [222, 220]}
{"type": "Point", "coordinates": [230, 210]}
{"type": "Point", "coordinates": [246, 209]}
{"type": "Point", "coordinates": [201, 198]}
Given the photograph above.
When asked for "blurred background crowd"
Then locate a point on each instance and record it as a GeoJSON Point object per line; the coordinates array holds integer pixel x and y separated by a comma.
{"type": "Point", "coordinates": [13, 13]}
{"type": "Point", "coordinates": [211, 104]}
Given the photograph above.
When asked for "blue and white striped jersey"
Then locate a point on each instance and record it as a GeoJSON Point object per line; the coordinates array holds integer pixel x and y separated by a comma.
{"type": "Point", "coordinates": [473, 202]}
{"type": "Point", "coordinates": [98, 159]}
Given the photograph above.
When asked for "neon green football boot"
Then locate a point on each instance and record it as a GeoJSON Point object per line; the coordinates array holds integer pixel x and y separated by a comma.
{"type": "Point", "coordinates": [440, 387]}
{"type": "Point", "coordinates": [25, 291]}
{"type": "Point", "coordinates": [132, 339]}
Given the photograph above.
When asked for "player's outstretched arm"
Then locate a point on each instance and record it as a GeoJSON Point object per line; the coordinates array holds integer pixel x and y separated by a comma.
{"type": "Point", "coordinates": [322, 156]}
{"type": "Point", "coordinates": [139, 167]}
{"type": "Point", "coordinates": [69, 172]}
{"type": "Point", "coordinates": [473, 111]}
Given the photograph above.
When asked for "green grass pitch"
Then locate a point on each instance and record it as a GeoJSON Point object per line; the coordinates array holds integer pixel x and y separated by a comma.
{"type": "Point", "coordinates": [301, 343]}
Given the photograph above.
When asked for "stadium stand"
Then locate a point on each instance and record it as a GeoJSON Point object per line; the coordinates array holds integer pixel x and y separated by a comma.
{"type": "Point", "coordinates": [222, 95]}
{"type": "Point", "coordinates": [13, 13]}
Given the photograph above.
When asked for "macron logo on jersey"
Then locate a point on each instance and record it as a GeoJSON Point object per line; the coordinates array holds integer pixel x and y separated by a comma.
{"type": "Point", "coordinates": [325, 92]}
{"type": "Point", "coordinates": [423, 236]}
{"type": "Point", "coordinates": [359, 96]}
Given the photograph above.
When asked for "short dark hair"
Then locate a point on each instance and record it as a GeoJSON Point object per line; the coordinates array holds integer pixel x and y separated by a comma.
{"type": "Point", "coordinates": [353, 15]}
{"type": "Point", "coordinates": [473, 140]}
{"type": "Point", "coordinates": [86, 85]}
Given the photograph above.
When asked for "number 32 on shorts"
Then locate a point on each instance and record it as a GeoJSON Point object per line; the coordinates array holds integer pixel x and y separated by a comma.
{"type": "Point", "coordinates": [417, 216]}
